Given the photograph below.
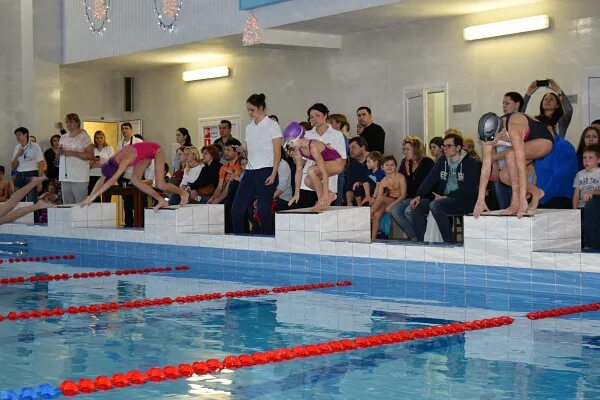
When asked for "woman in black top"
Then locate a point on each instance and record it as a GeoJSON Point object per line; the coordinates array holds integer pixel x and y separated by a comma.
{"type": "Point", "coordinates": [52, 158]}
{"type": "Point", "coordinates": [415, 167]}
{"type": "Point", "coordinates": [208, 179]}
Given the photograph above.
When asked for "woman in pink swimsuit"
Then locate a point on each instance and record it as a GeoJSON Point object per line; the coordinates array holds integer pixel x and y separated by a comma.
{"type": "Point", "coordinates": [328, 162]}
{"type": "Point", "coordinates": [139, 156]}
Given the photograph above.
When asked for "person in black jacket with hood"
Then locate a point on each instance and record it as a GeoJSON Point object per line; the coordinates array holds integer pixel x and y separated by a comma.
{"type": "Point", "coordinates": [450, 188]}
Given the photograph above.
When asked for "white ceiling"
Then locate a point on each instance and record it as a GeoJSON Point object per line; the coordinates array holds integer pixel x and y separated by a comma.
{"type": "Point", "coordinates": [373, 18]}
{"type": "Point", "coordinates": [402, 12]}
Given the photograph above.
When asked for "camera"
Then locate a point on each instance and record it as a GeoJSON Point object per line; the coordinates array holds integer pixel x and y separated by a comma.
{"type": "Point", "coordinates": [542, 83]}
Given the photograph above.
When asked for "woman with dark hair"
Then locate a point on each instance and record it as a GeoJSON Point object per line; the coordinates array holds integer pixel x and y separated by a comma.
{"type": "Point", "coordinates": [183, 139]}
{"type": "Point", "coordinates": [590, 136]}
{"type": "Point", "coordinates": [52, 158]}
{"type": "Point", "coordinates": [263, 139]}
{"type": "Point", "coordinates": [554, 105]}
{"type": "Point", "coordinates": [435, 147]}
{"type": "Point", "coordinates": [512, 102]}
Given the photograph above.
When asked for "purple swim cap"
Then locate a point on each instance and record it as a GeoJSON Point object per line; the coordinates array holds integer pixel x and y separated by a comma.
{"type": "Point", "coordinates": [110, 168]}
{"type": "Point", "coordinates": [293, 131]}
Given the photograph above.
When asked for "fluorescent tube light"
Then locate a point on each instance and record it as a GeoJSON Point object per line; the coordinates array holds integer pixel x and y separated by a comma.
{"type": "Point", "coordinates": [509, 27]}
{"type": "Point", "coordinates": [206, 73]}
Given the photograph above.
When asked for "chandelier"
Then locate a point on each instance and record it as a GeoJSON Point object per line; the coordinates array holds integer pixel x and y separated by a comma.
{"type": "Point", "coordinates": [96, 13]}
{"type": "Point", "coordinates": [167, 12]}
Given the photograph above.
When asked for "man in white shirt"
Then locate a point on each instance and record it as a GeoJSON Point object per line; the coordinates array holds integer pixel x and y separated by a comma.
{"type": "Point", "coordinates": [128, 139]}
{"type": "Point", "coordinates": [28, 161]}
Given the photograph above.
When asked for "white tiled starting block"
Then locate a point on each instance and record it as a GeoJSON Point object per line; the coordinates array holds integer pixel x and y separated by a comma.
{"type": "Point", "coordinates": [336, 223]}
{"type": "Point", "coordinates": [506, 239]}
{"type": "Point", "coordinates": [27, 218]}
{"type": "Point", "coordinates": [193, 218]}
{"type": "Point", "coordinates": [95, 215]}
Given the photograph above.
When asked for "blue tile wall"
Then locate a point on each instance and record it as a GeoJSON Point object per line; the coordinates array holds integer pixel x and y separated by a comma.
{"type": "Point", "coordinates": [455, 285]}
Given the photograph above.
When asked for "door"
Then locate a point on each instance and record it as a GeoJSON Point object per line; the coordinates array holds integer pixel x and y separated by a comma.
{"type": "Point", "coordinates": [415, 118]}
{"type": "Point", "coordinates": [426, 110]}
{"type": "Point", "coordinates": [110, 130]}
{"type": "Point", "coordinates": [590, 106]}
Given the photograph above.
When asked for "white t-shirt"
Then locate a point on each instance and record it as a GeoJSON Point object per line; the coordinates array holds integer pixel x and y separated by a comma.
{"type": "Point", "coordinates": [191, 175]}
{"type": "Point", "coordinates": [586, 182]}
{"type": "Point", "coordinates": [32, 155]}
{"type": "Point", "coordinates": [104, 154]}
{"type": "Point", "coordinates": [259, 139]}
{"type": "Point", "coordinates": [70, 168]}
{"type": "Point", "coordinates": [334, 139]}
{"type": "Point", "coordinates": [133, 140]}
{"type": "Point", "coordinates": [285, 181]}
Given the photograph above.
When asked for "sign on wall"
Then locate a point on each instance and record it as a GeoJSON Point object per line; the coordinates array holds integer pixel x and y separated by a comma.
{"type": "Point", "coordinates": [208, 129]}
{"type": "Point", "coordinates": [250, 4]}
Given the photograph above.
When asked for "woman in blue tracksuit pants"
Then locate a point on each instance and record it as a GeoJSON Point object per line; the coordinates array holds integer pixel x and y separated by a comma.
{"type": "Point", "coordinates": [263, 139]}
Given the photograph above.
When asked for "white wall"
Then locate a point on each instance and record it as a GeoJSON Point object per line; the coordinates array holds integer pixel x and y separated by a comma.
{"type": "Point", "coordinates": [134, 27]}
{"type": "Point", "coordinates": [372, 69]}
{"type": "Point", "coordinates": [29, 69]}
{"type": "Point", "coordinates": [11, 94]}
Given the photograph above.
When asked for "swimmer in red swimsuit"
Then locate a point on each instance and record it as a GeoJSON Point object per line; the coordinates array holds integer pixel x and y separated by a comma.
{"type": "Point", "coordinates": [529, 140]}
{"type": "Point", "coordinates": [139, 156]}
{"type": "Point", "coordinates": [328, 162]}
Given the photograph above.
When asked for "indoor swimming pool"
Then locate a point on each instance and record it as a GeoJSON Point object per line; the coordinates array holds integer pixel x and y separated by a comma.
{"type": "Point", "coordinates": [542, 359]}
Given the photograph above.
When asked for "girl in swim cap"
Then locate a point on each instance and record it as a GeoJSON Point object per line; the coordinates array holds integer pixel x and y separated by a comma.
{"type": "Point", "coordinates": [528, 140]}
{"type": "Point", "coordinates": [328, 162]}
{"type": "Point", "coordinates": [139, 156]}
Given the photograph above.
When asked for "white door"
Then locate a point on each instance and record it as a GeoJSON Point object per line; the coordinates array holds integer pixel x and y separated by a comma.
{"type": "Point", "coordinates": [415, 117]}
{"type": "Point", "coordinates": [594, 99]}
{"type": "Point", "coordinates": [426, 110]}
{"type": "Point", "coordinates": [590, 102]}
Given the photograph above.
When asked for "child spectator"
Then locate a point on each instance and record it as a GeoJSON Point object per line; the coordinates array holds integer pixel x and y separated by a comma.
{"type": "Point", "coordinates": [375, 175]}
{"type": "Point", "coordinates": [51, 196]}
{"type": "Point", "coordinates": [587, 181]}
{"type": "Point", "coordinates": [390, 191]}
{"type": "Point", "coordinates": [587, 196]}
{"type": "Point", "coordinates": [6, 186]}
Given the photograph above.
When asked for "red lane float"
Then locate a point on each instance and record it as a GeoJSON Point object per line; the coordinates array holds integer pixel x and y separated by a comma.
{"type": "Point", "coordinates": [165, 301]}
{"type": "Point", "coordinates": [559, 312]}
{"type": "Point", "coordinates": [86, 275]}
{"type": "Point", "coordinates": [37, 258]}
{"type": "Point", "coordinates": [156, 374]}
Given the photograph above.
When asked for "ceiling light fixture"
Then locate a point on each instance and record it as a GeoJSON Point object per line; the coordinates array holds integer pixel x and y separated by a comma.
{"type": "Point", "coordinates": [509, 27]}
{"type": "Point", "coordinates": [206, 73]}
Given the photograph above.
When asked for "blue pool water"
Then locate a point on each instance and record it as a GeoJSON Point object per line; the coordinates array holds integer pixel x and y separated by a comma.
{"type": "Point", "coordinates": [555, 358]}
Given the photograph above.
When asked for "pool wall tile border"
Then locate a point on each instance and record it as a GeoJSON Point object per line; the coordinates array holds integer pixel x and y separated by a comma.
{"type": "Point", "coordinates": [494, 251]}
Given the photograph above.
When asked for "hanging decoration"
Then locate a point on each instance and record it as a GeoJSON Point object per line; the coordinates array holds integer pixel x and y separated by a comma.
{"type": "Point", "coordinates": [167, 12]}
{"type": "Point", "coordinates": [96, 13]}
{"type": "Point", "coordinates": [251, 33]}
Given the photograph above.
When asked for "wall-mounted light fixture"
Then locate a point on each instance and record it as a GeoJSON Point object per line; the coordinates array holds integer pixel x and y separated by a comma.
{"type": "Point", "coordinates": [206, 73]}
{"type": "Point", "coordinates": [509, 27]}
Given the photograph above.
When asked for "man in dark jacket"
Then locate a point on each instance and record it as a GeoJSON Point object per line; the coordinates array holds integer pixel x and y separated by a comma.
{"type": "Point", "coordinates": [450, 188]}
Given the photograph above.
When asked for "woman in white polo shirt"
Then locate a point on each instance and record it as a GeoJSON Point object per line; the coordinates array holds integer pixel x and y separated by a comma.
{"type": "Point", "coordinates": [76, 150]}
{"type": "Point", "coordinates": [263, 139]}
{"type": "Point", "coordinates": [28, 161]}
